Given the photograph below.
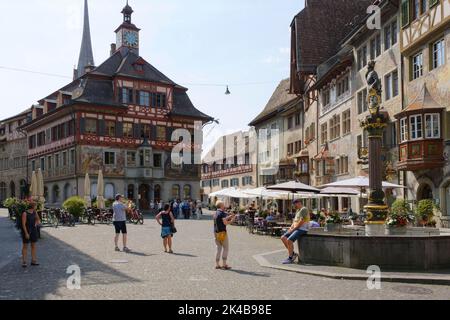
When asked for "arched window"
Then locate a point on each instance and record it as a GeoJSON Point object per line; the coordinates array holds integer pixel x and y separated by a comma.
{"type": "Point", "coordinates": [176, 192]}
{"type": "Point", "coordinates": [55, 193]}
{"type": "Point", "coordinates": [187, 192]}
{"type": "Point", "coordinates": [67, 191]}
{"type": "Point", "coordinates": [109, 191]}
{"type": "Point", "coordinates": [12, 189]}
{"type": "Point", "coordinates": [3, 191]}
{"type": "Point", "coordinates": [157, 192]}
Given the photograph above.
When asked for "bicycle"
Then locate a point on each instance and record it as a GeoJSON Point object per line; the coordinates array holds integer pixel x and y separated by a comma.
{"type": "Point", "coordinates": [88, 217]}
{"type": "Point", "coordinates": [136, 217]}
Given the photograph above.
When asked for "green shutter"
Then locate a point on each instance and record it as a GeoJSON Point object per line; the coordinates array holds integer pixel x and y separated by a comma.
{"type": "Point", "coordinates": [153, 133]}
{"type": "Point", "coordinates": [119, 129]}
{"type": "Point", "coordinates": [169, 132]}
{"type": "Point", "coordinates": [405, 13]}
{"type": "Point", "coordinates": [137, 130]}
{"type": "Point", "coordinates": [82, 128]}
{"type": "Point", "coordinates": [101, 127]}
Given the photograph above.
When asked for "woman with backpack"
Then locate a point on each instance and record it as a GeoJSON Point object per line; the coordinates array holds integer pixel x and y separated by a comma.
{"type": "Point", "coordinates": [167, 222]}
{"type": "Point", "coordinates": [29, 230]}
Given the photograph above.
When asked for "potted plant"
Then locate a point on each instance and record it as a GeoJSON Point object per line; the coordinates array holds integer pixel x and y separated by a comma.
{"type": "Point", "coordinates": [333, 222]}
{"type": "Point", "coordinates": [75, 206]}
{"type": "Point", "coordinates": [399, 218]}
{"type": "Point", "coordinates": [424, 212]}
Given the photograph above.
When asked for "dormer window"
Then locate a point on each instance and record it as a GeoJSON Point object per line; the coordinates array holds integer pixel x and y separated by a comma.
{"type": "Point", "coordinates": [139, 67]}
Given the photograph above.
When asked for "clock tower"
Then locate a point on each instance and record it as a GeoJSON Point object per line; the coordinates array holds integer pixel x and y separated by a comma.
{"type": "Point", "coordinates": [127, 35]}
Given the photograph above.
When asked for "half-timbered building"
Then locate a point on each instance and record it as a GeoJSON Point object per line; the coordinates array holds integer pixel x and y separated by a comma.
{"type": "Point", "coordinates": [118, 117]}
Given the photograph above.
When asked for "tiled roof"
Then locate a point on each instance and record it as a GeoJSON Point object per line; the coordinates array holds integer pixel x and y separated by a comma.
{"type": "Point", "coordinates": [280, 98]}
{"type": "Point", "coordinates": [321, 26]}
{"type": "Point", "coordinates": [423, 102]}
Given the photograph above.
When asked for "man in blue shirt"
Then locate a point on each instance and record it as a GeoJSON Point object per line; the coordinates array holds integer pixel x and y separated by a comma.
{"type": "Point", "coordinates": [120, 222]}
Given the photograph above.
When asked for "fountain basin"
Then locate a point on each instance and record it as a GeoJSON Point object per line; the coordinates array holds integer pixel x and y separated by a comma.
{"type": "Point", "coordinates": [419, 249]}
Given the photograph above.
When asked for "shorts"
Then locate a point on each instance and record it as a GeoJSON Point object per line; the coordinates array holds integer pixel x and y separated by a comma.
{"type": "Point", "coordinates": [166, 232]}
{"type": "Point", "coordinates": [294, 236]}
{"type": "Point", "coordinates": [121, 227]}
{"type": "Point", "coordinates": [33, 237]}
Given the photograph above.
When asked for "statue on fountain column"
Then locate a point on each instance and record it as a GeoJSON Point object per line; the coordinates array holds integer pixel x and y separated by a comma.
{"type": "Point", "coordinates": [374, 89]}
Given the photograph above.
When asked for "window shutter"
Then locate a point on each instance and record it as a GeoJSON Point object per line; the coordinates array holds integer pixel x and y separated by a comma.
{"type": "Point", "coordinates": [138, 97]}
{"type": "Point", "coordinates": [405, 13]}
{"type": "Point", "coordinates": [169, 132]}
{"type": "Point", "coordinates": [137, 130]}
{"type": "Point", "coordinates": [82, 127]}
{"type": "Point", "coordinates": [101, 127]}
{"type": "Point", "coordinates": [153, 133]}
{"type": "Point", "coordinates": [119, 129]}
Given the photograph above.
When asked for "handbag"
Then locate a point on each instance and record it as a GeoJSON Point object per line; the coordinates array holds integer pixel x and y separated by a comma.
{"type": "Point", "coordinates": [221, 237]}
{"type": "Point", "coordinates": [173, 229]}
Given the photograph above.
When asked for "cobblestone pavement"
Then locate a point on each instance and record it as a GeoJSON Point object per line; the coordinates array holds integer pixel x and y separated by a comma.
{"type": "Point", "coordinates": [148, 273]}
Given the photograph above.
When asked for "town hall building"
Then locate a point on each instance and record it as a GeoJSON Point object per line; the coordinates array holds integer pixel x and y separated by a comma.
{"type": "Point", "coordinates": [117, 117]}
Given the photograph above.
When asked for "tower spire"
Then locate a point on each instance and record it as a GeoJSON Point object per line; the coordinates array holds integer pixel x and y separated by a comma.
{"type": "Point", "coordinates": [86, 58]}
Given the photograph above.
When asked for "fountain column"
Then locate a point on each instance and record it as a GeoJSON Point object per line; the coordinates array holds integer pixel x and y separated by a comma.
{"type": "Point", "coordinates": [375, 124]}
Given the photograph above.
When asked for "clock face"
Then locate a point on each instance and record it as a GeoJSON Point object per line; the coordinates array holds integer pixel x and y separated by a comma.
{"type": "Point", "coordinates": [131, 39]}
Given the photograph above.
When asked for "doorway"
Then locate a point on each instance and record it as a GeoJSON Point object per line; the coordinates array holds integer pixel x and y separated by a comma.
{"type": "Point", "coordinates": [144, 196]}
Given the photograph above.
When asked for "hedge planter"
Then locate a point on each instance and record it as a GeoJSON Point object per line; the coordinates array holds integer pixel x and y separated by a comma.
{"type": "Point", "coordinates": [396, 231]}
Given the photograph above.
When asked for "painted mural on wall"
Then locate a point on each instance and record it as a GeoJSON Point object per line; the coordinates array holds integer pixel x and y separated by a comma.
{"type": "Point", "coordinates": [92, 160]}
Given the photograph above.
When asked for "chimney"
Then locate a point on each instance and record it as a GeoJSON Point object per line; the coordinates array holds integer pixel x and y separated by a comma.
{"type": "Point", "coordinates": [113, 48]}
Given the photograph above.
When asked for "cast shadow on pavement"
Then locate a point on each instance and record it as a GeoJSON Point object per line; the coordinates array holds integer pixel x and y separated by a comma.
{"type": "Point", "coordinates": [250, 273]}
{"type": "Point", "coordinates": [185, 255]}
{"type": "Point", "coordinates": [55, 256]}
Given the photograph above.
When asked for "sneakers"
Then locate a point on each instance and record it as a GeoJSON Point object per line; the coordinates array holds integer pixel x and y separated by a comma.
{"type": "Point", "coordinates": [117, 249]}
{"type": "Point", "coordinates": [126, 250]}
{"type": "Point", "coordinates": [291, 260]}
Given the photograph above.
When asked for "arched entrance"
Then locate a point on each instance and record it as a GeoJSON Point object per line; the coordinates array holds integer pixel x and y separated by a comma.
{"type": "Point", "coordinates": [157, 193]}
{"type": "Point", "coordinates": [67, 191]}
{"type": "Point", "coordinates": [3, 191]}
{"type": "Point", "coordinates": [424, 192]}
{"type": "Point", "coordinates": [144, 196]}
{"type": "Point", "coordinates": [130, 192]}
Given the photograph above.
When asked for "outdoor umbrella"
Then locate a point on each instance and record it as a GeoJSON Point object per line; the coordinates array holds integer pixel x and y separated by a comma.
{"type": "Point", "coordinates": [40, 187]}
{"type": "Point", "coordinates": [338, 192]}
{"type": "Point", "coordinates": [360, 182]}
{"type": "Point", "coordinates": [34, 187]}
{"type": "Point", "coordinates": [263, 193]}
{"type": "Point", "coordinates": [87, 190]}
{"type": "Point", "coordinates": [294, 186]}
{"type": "Point", "coordinates": [100, 191]}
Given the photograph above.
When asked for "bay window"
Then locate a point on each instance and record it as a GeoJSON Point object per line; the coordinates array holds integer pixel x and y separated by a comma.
{"type": "Point", "coordinates": [403, 130]}
{"type": "Point", "coordinates": [415, 127]}
{"type": "Point", "coordinates": [432, 126]}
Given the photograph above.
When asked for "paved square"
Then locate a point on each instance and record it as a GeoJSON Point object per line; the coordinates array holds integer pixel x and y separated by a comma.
{"type": "Point", "coordinates": [149, 273]}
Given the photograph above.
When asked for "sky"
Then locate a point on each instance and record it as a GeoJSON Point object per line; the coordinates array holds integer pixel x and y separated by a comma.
{"type": "Point", "coordinates": [201, 44]}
